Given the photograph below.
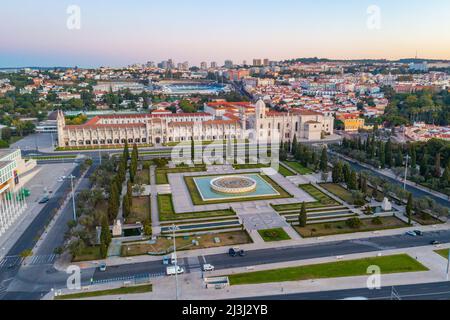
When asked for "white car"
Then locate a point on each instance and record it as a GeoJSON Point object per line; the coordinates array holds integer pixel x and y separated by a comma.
{"type": "Point", "coordinates": [208, 267]}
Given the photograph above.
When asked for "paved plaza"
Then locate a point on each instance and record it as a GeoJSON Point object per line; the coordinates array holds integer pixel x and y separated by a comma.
{"type": "Point", "coordinates": [183, 202]}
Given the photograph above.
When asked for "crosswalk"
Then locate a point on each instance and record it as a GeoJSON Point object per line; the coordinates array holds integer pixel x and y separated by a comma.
{"type": "Point", "coordinates": [136, 278]}
{"type": "Point", "coordinates": [10, 262]}
{"type": "Point", "coordinates": [42, 260]}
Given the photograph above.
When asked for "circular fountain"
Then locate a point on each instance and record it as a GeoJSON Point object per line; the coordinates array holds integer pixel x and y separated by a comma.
{"type": "Point", "coordinates": [233, 185]}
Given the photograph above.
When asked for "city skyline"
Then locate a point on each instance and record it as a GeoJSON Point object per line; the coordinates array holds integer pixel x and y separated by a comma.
{"type": "Point", "coordinates": [122, 34]}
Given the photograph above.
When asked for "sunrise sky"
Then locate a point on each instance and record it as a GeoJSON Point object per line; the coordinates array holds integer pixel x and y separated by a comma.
{"type": "Point", "coordinates": [119, 33]}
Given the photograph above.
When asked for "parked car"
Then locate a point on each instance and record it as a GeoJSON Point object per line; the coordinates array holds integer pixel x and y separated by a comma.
{"type": "Point", "coordinates": [411, 234]}
{"type": "Point", "coordinates": [208, 267]}
{"type": "Point", "coordinates": [102, 267]}
{"type": "Point", "coordinates": [242, 253]}
{"type": "Point", "coordinates": [435, 242]}
{"type": "Point", "coordinates": [44, 200]}
{"type": "Point", "coordinates": [233, 252]}
{"type": "Point", "coordinates": [418, 232]}
{"type": "Point", "coordinates": [170, 271]}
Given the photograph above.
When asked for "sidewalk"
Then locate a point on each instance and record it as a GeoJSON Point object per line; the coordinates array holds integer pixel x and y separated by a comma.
{"type": "Point", "coordinates": [114, 261]}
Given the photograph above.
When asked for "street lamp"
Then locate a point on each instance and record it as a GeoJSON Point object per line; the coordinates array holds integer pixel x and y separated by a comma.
{"type": "Point", "coordinates": [406, 172]}
{"type": "Point", "coordinates": [174, 228]}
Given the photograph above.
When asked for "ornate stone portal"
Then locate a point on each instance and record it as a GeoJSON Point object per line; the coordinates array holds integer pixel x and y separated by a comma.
{"type": "Point", "coordinates": [233, 185]}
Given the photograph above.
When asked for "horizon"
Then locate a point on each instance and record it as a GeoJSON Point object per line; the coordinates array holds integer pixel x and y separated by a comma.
{"type": "Point", "coordinates": [220, 64]}
{"type": "Point", "coordinates": [118, 34]}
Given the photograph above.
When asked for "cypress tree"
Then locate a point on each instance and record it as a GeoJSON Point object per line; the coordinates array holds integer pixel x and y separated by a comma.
{"type": "Point", "coordinates": [409, 207]}
{"type": "Point", "coordinates": [437, 165]}
{"type": "Point", "coordinates": [324, 160]}
{"type": "Point", "coordinates": [303, 217]}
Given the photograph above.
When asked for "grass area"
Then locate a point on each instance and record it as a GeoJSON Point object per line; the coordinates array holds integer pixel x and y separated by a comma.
{"type": "Point", "coordinates": [341, 227]}
{"type": "Point", "coordinates": [110, 292]}
{"type": "Point", "coordinates": [297, 206]}
{"type": "Point", "coordinates": [15, 139]}
{"type": "Point", "coordinates": [197, 199]}
{"type": "Point", "coordinates": [285, 172]}
{"type": "Point", "coordinates": [140, 211]}
{"type": "Point", "coordinates": [144, 176]}
{"type": "Point", "coordinates": [52, 157]}
{"type": "Point", "coordinates": [161, 173]}
{"type": "Point", "coordinates": [297, 167]}
{"type": "Point", "coordinates": [271, 235]}
{"type": "Point", "coordinates": [282, 170]}
{"type": "Point", "coordinates": [339, 191]}
{"type": "Point", "coordinates": [195, 215]}
{"type": "Point", "coordinates": [390, 264]}
{"type": "Point", "coordinates": [321, 197]}
{"type": "Point", "coordinates": [164, 245]}
{"type": "Point", "coordinates": [426, 219]}
{"type": "Point", "coordinates": [250, 166]}
{"type": "Point", "coordinates": [165, 204]}
{"type": "Point", "coordinates": [443, 253]}
{"type": "Point", "coordinates": [88, 254]}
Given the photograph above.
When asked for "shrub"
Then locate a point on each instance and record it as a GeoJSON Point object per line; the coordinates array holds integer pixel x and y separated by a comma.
{"type": "Point", "coordinates": [354, 223]}
{"type": "Point", "coordinates": [377, 221]}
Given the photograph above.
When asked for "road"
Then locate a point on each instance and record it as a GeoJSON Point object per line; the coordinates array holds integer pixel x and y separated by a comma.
{"type": "Point", "coordinates": [418, 193]}
{"type": "Point", "coordinates": [28, 278]}
{"type": "Point", "coordinates": [294, 253]}
{"type": "Point", "coordinates": [426, 291]}
{"type": "Point", "coordinates": [50, 278]}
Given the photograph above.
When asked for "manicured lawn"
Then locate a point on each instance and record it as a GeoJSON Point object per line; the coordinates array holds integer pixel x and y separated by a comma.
{"type": "Point", "coordinates": [111, 292]}
{"type": "Point", "coordinates": [338, 191]}
{"type": "Point", "coordinates": [52, 157]}
{"type": "Point", "coordinates": [340, 227]}
{"type": "Point", "coordinates": [297, 206]}
{"type": "Point", "coordinates": [271, 235]}
{"type": "Point", "coordinates": [297, 167]}
{"type": "Point", "coordinates": [285, 172]}
{"type": "Point", "coordinates": [196, 215]}
{"type": "Point", "coordinates": [144, 176]}
{"type": "Point", "coordinates": [88, 254]}
{"type": "Point", "coordinates": [165, 204]}
{"type": "Point", "coordinates": [389, 264]}
{"type": "Point", "coordinates": [161, 173]}
{"type": "Point", "coordinates": [426, 219]}
{"type": "Point", "coordinates": [197, 199]}
{"type": "Point", "coordinates": [250, 166]}
{"type": "Point", "coordinates": [321, 197]}
{"type": "Point", "coordinates": [282, 170]}
{"type": "Point", "coordinates": [164, 245]}
{"type": "Point", "coordinates": [443, 253]}
{"type": "Point", "coordinates": [140, 211]}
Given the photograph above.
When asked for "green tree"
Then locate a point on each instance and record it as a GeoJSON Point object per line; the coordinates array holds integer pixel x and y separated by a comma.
{"type": "Point", "coordinates": [437, 166]}
{"type": "Point", "coordinates": [126, 207]}
{"type": "Point", "coordinates": [6, 134]}
{"type": "Point", "coordinates": [353, 181]}
{"type": "Point", "coordinates": [294, 145]}
{"type": "Point", "coordinates": [324, 160]}
{"type": "Point", "coordinates": [409, 208]}
{"type": "Point", "coordinates": [303, 217]}
{"type": "Point", "coordinates": [337, 173]}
